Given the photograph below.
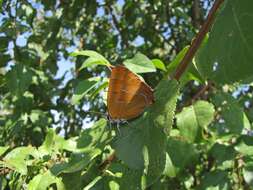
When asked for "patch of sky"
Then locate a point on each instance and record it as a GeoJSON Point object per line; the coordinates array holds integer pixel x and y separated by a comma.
{"type": "Point", "coordinates": [167, 33]}
{"type": "Point", "coordinates": [36, 4]}
{"type": "Point", "coordinates": [173, 20]}
{"type": "Point", "coordinates": [240, 90]}
{"type": "Point", "coordinates": [65, 66]}
{"type": "Point", "coordinates": [121, 2]}
{"type": "Point", "coordinates": [138, 41]}
{"type": "Point", "coordinates": [100, 11]}
{"type": "Point", "coordinates": [48, 14]}
{"type": "Point", "coordinates": [21, 40]}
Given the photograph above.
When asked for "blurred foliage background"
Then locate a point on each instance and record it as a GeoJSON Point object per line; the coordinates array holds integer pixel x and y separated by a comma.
{"type": "Point", "coordinates": [37, 75]}
{"type": "Point", "coordinates": [42, 138]}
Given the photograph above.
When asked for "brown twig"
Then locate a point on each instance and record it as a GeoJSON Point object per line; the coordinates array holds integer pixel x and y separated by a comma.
{"type": "Point", "coordinates": [200, 92]}
{"type": "Point", "coordinates": [108, 161]}
{"type": "Point", "coordinates": [197, 41]}
{"type": "Point", "coordinates": [4, 171]}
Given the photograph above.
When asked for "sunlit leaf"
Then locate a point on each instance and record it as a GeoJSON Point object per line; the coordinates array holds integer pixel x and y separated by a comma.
{"type": "Point", "coordinates": [3, 149]}
{"type": "Point", "coordinates": [140, 64]}
{"type": "Point", "coordinates": [94, 58]}
{"type": "Point", "coordinates": [82, 88]}
{"type": "Point", "coordinates": [17, 159]}
{"type": "Point", "coordinates": [43, 181]}
{"type": "Point", "coordinates": [159, 64]}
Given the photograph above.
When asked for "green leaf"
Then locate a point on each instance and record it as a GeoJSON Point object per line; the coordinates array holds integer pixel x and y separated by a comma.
{"type": "Point", "coordinates": [176, 150]}
{"type": "Point", "coordinates": [216, 179]}
{"type": "Point", "coordinates": [169, 169]}
{"type": "Point", "coordinates": [1, 2]}
{"type": "Point", "coordinates": [77, 162]}
{"type": "Point", "coordinates": [73, 181]}
{"type": "Point", "coordinates": [123, 175]}
{"type": "Point", "coordinates": [193, 118]}
{"type": "Point", "coordinates": [234, 118]}
{"type": "Point", "coordinates": [142, 143]}
{"type": "Point", "coordinates": [43, 181]}
{"type": "Point", "coordinates": [18, 158]}
{"type": "Point", "coordinates": [97, 136]}
{"type": "Point", "coordinates": [223, 154]}
{"type": "Point", "coordinates": [173, 65]}
{"type": "Point", "coordinates": [159, 64]}
{"type": "Point", "coordinates": [63, 144]}
{"type": "Point", "coordinates": [47, 146]}
{"type": "Point", "coordinates": [54, 143]}
{"type": "Point", "coordinates": [82, 88]}
{"type": "Point", "coordinates": [248, 173]}
{"type": "Point", "coordinates": [101, 86]}
{"type": "Point", "coordinates": [94, 58]}
{"type": "Point", "coordinates": [91, 184]}
{"type": "Point", "coordinates": [140, 64]}
{"type": "Point", "coordinates": [89, 145]}
{"type": "Point", "coordinates": [227, 57]}
{"type": "Point", "coordinates": [4, 43]}
{"type": "Point", "coordinates": [245, 145]}
{"type": "Point", "coordinates": [119, 176]}
{"type": "Point", "coordinates": [19, 79]}
{"type": "Point", "coordinates": [3, 149]}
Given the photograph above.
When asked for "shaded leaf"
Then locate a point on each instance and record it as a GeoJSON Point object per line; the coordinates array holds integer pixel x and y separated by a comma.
{"type": "Point", "coordinates": [176, 150]}
{"type": "Point", "coordinates": [234, 118]}
{"type": "Point", "coordinates": [91, 184]}
{"type": "Point", "coordinates": [193, 118]}
{"type": "Point", "coordinates": [224, 155]}
{"type": "Point", "coordinates": [142, 143]}
{"type": "Point", "coordinates": [82, 88]}
{"type": "Point", "coordinates": [248, 173]}
{"type": "Point", "coordinates": [77, 162]}
{"type": "Point", "coordinates": [217, 179]}
{"type": "Point", "coordinates": [227, 56]}
{"type": "Point", "coordinates": [95, 137]}
{"type": "Point", "coordinates": [18, 79]}
{"type": "Point", "coordinates": [245, 145]}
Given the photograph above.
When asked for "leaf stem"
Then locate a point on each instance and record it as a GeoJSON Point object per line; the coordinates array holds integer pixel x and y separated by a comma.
{"type": "Point", "coordinates": [197, 41]}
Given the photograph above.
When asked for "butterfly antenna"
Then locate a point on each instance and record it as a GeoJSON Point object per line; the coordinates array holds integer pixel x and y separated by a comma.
{"type": "Point", "coordinates": [96, 112]}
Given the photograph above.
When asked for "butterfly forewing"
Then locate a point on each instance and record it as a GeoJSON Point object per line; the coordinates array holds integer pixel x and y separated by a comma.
{"type": "Point", "coordinates": [127, 95]}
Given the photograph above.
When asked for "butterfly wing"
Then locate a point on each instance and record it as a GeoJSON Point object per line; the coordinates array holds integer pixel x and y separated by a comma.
{"type": "Point", "coordinates": [127, 95]}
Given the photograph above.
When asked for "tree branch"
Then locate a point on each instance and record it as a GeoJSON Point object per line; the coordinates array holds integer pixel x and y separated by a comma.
{"type": "Point", "coordinates": [197, 41]}
{"type": "Point", "coordinates": [117, 26]}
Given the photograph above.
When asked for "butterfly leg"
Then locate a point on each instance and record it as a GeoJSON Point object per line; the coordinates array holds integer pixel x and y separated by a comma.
{"type": "Point", "coordinates": [117, 126]}
{"type": "Point", "coordinates": [110, 126]}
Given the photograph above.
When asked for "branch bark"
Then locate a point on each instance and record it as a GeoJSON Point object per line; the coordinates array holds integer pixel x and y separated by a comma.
{"type": "Point", "coordinates": [197, 41]}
